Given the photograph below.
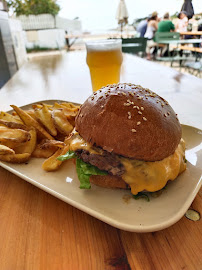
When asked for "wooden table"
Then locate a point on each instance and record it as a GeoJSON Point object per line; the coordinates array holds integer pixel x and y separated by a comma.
{"type": "Point", "coordinates": [192, 33]}
{"type": "Point", "coordinates": [38, 231]}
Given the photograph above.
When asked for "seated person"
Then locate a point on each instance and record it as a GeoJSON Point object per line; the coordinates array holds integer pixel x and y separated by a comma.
{"type": "Point", "coordinates": [166, 25]}
{"type": "Point", "coordinates": [142, 27]}
{"type": "Point", "coordinates": [182, 22]}
{"type": "Point", "coordinates": [152, 27]}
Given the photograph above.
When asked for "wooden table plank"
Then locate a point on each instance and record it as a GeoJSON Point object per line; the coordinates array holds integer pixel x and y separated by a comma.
{"type": "Point", "coordinates": [177, 247]}
{"type": "Point", "coordinates": [194, 33]}
{"type": "Point", "coordinates": [38, 231]}
{"type": "Point", "coordinates": [193, 49]}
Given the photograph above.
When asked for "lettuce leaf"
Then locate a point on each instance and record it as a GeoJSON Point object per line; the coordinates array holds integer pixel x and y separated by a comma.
{"type": "Point", "coordinates": [141, 195]}
{"type": "Point", "coordinates": [84, 172]}
{"type": "Point", "coordinates": [70, 154]}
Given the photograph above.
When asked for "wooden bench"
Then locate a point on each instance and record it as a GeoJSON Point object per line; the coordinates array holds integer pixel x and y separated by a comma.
{"type": "Point", "coordinates": [192, 49]}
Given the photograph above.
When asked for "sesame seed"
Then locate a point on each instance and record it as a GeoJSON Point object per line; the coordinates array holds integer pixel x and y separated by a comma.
{"type": "Point", "coordinates": [138, 108]}
{"type": "Point", "coordinates": [134, 107]}
{"type": "Point", "coordinates": [95, 93]}
{"type": "Point", "coordinates": [165, 114]}
{"type": "Point", "coordinates": [144, 118]}
{"type": "Point", "coordinates": [138, 123]}
{"type": "Point", "coordinates": [124, 94]}
{"type": "Point", "coordinates": [146, 97]}
{"type": "Point", "coordinates": [129, 113]}
{"type": "Point", "coordinates": [142, 108]}
{"type": "Point", "coordinates": [126, 104]}
{"type": "Point", "coordinates": [139, 112]}
{"type": "Point", "coordinates": [168, 113]}
{"type": "Point", "coordinates": [129, 117]}
{"type": "Point", "coordinates": [133, 130]}
{"type": "Point", "coordinates": [92, 98]}
{"type": "Point", "coordinates": [100, 97]}
{"type": "Point", "coordinates": [100, 91]}
{"type": "Point", "coordinates": [130, 93]}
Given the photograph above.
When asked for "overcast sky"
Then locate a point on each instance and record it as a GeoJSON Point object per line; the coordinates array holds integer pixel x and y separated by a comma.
{"type": "Point", "coordinates": [100, 14]}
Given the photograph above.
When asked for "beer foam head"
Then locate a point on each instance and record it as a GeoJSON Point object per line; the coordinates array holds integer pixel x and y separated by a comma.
{"type": "Point", "coordinates": [103, 45]}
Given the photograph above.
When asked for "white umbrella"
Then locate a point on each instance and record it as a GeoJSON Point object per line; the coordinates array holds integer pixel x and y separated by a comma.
{"type": "Point", "coordinates": [122, 14]}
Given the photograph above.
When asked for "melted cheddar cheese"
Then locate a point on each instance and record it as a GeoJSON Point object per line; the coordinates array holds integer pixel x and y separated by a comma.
{"type": "Point", "coordinates": [153, 176]}
{"type": "Point", "coordinates": [77, 142]}
{"type": "Point", "coordinates": [142, 175]}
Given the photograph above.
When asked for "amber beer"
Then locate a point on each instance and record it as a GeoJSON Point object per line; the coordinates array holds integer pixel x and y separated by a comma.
{"type": "Point", "coordinates": [104, 59]}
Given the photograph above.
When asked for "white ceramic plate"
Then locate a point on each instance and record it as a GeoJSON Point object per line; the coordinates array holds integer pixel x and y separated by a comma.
{"type": "Point", "coordinates": [117, 207]}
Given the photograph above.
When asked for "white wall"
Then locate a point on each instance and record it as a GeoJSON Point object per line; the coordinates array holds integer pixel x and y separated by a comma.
{"type": "Point", "coordinates": [48, 21]}
{"type": "Point", "coordinates": [18, 41]}
{"type": "Point", "coordinates": [50, 38]}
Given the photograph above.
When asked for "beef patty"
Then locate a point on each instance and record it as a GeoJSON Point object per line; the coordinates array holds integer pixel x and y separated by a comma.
{"type": "Point", "coordinates": [105, 161]}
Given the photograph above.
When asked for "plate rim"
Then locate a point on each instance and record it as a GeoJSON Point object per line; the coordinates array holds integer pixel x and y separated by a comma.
{"type": "Point", "coordinates": [117, 224]}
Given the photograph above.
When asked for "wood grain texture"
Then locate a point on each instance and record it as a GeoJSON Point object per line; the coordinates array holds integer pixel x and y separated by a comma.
{"type": "Point", "coordinates": [177, 247]}
{"type": "Point", "coordinates": [38, 231]}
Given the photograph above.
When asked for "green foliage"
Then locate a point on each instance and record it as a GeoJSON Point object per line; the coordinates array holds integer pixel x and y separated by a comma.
{"type": "Point", "coordinates": [84, 172]}
{"type": "Point", "coordinates": [34, 7]}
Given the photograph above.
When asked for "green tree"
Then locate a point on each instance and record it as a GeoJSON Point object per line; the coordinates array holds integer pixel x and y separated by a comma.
{"type": "Point", "coordinates": [34, 7]}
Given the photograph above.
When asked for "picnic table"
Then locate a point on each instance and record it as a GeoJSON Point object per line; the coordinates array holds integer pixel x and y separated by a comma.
{"type": "Point", "coordinates": [191, 33]}
{"type": "Point", "coordinates": [39, 231]}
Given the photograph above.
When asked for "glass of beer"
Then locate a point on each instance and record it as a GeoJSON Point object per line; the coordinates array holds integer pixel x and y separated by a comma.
{"type": "Point", "coordinates": [104, 59]}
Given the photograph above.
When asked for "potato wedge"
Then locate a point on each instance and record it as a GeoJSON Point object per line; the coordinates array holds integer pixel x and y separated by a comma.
{"type": "Point", "coordinates": [70, 106]}
{"type": "Point", "coordinates": [29, 121]}
{"type": "Point", "coordinates": [15, 158]}
{"type": "Point", "coordinates": [61, 122]}
{"type": "Point", "coordinates": [14, 125]}
{"type": "Point", "coordinates": [10, 118]}
{"type": "Point", "coordinates": [67, 109]}
{"type": "Point", "coordinates": [44, 116]}
{"type": "Point", "coordinates": [11, 144]}
{"type": "Point", "coordinates": [31, 113]}
{"type": "Point", "coordinates": [4, 150]}
{"type": "Point", "coordinates": [43, 153]}
{"type": "Point", "coordinates": [40, 105]}
{"type": "Point", "coordinates": [15, 135]}
{"type": "Point", "coordinates": [52, 163]}
{"type": "Point", "coordinates": [29, 146]}
{"type": "Point", "coordinates": [50, 143]}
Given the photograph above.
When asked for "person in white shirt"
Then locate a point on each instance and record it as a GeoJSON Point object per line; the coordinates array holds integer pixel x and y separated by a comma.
{"type": "Point", "coordinates": [182, 22]}
{"type": "Point", "coordinates": [152, 27]}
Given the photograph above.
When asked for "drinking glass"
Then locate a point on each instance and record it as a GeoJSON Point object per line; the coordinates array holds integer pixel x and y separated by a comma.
{"type": "Point", "coordinates": [104, 59]}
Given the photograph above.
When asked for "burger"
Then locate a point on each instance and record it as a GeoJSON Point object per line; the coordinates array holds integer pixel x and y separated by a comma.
{"type": "Point", "coordinates": [127, 136]}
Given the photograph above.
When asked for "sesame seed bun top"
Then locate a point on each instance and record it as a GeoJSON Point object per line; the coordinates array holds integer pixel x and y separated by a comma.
{"type": "Point", "coordinates": [131, 121]}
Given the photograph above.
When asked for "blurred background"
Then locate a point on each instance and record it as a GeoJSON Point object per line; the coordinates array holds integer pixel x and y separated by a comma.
{"type": "Point", "coordinates": [30, 28]}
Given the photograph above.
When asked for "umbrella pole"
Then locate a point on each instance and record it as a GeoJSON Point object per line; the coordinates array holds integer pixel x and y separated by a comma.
{"type": "Point", "coordinates": [121, 29]}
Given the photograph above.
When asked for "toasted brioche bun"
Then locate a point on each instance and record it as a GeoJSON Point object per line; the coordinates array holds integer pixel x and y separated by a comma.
{"type": "Point", "coordinates": [108, 181]}
{"type": "Point", "coordinates": [131, 121]}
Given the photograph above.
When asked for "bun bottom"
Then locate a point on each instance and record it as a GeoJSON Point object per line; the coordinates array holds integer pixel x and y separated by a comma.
{"type": "Point", "coordinates": [108, 181]}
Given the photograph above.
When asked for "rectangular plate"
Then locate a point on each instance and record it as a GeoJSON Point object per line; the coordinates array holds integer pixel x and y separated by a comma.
{"type": "Point", "coordinates": [117, 207]}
